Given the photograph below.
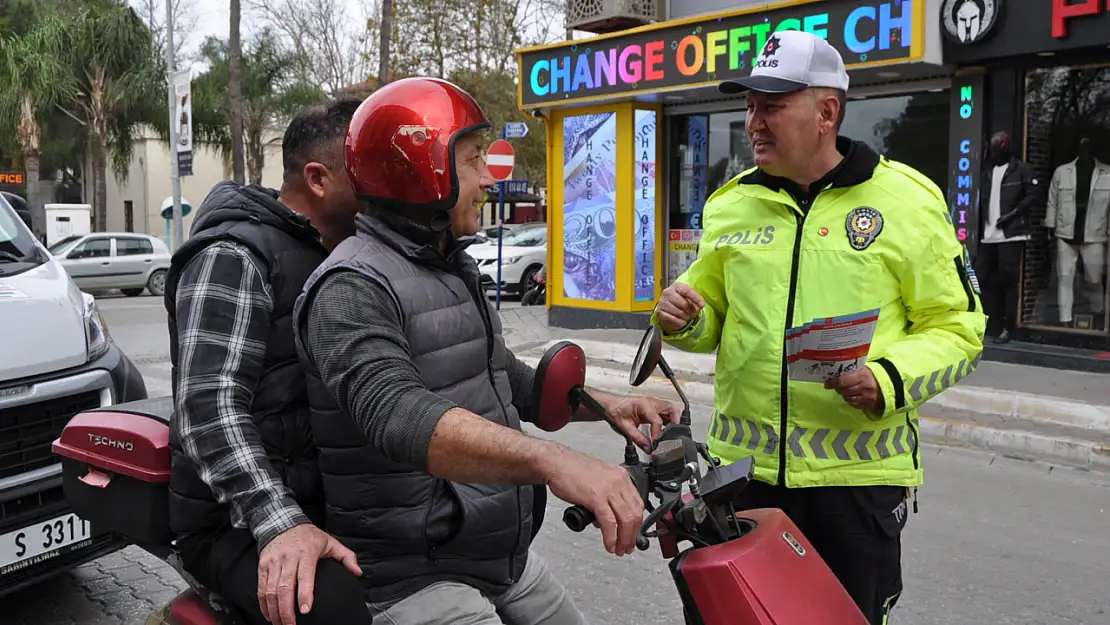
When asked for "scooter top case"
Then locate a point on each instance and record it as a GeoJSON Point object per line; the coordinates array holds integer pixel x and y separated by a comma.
{"type": "Point", "coordinates": [116, 469]}
{"type": "Point", "coordinates": [770, 576]}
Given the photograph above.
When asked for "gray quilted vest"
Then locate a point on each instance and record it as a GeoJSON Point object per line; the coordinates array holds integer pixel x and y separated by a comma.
{"type": "Point", "coordinates": [408, 528]}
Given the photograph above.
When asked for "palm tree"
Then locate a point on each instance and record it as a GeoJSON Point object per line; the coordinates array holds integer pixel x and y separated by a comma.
{"type": "Point", "coordinates": [385, 36]}
{"type": "Point", "coordinates": [36, 80]}
{"type": "Point", "coordinates": [121, 86]}
{"type": "Point", "coordinates": [270, 97]}
{"type": "Point", "coordinates": [235, 92]}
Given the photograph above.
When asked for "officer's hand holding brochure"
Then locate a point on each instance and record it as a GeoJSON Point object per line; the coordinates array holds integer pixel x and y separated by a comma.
{"type": "Point", "coordinates": [830, 347]}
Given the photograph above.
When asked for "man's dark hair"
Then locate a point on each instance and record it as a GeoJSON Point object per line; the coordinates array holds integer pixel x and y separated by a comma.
{"type": "Point", "coordinates": [313, 133]}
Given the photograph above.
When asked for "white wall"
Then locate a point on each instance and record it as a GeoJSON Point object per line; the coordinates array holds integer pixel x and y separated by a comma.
{"type": "Point", "coordinates": [148, 184]}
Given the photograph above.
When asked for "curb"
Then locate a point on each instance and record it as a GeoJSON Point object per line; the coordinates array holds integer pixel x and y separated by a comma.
{"type": "Point", "coordinates": [1062, 450]}
{"type": "Point", "coordinates": [1022, 444]}
{"type": "Point", "coordinates": [700, 369]}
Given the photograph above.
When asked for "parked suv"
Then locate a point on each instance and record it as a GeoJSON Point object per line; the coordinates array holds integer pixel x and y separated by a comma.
{"type": "Point", "coordinates": [56, 359]}
{"type": "Point", "coordinates": [102, 261]}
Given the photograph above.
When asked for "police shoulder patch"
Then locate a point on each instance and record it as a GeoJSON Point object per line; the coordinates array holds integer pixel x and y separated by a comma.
{"type": "Point", "coordinates": [863, 225]}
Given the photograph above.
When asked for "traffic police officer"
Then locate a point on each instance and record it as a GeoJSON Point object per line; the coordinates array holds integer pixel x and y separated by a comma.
{"type": "Point", "coordinates": [824, 226]}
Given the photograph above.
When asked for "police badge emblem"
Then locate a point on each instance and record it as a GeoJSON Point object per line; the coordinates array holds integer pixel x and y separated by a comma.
{"type": "Point", "coordinates": [863, 225]}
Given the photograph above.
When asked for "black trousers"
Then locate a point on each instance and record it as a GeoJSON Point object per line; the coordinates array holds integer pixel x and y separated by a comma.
{"type": "Point", "coordinates": [857, 531]}
{"type": "Point", "coordinates": [226, 562]}
{"type": "Point", "coordinates": [998, 267]}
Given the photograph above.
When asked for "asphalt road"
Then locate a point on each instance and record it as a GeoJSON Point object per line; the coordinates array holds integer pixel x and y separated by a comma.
{"type": "Point", "coordinates": [996, 541]}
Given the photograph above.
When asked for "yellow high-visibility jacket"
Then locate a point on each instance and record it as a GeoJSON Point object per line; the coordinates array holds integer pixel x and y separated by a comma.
{"type": "Point", "coordinates": [879, 236]}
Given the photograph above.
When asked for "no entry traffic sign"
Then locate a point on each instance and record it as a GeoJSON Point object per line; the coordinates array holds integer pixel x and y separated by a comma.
{"type": "Point", "coordinates": [501, 158]}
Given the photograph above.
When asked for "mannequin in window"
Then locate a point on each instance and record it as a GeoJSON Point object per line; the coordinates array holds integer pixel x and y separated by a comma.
{"type": "Point", "coordinates": [1007, 194]}
{"type": "Point", "coordinates": [1076, 216]}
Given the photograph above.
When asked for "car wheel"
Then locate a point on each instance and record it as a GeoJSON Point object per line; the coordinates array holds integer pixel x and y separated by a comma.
{"type": "Point", "coordinates": [528, 279]}
{"type": "Point", "coordinates": [157, 283]}
{"type": "Point", "coordinates": [132, 292]}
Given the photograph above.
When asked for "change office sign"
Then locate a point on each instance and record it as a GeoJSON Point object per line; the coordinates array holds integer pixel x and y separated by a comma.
{"type": "Point", "coordinates": [704, 50]}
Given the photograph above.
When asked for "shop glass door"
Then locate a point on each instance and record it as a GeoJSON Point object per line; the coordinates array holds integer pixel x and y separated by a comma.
{"type": "Point", "coordinates": [711, 149]}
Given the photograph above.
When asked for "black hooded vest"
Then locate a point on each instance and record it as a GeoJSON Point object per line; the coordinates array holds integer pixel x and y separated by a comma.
{"type": "Point", "coordinates": [409, 528]}
{"type": "Point", "coordinates": [289, 246]}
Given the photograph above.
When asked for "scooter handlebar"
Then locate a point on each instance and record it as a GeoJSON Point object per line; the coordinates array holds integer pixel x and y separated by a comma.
{"type": "Point", "coordinates": [578, 518]}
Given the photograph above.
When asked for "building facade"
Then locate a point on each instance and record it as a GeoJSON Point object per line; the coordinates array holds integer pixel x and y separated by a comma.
{"type": "Point", "coordinates": [1039, 71]}
{"type": "Point", "coordinates": [135, 204]}
{"type": "Point", "coordinates": [639, 137]}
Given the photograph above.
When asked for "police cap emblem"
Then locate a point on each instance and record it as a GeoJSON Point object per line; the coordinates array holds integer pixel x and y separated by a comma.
{"type": "Point", "coordinates": [863, 225]}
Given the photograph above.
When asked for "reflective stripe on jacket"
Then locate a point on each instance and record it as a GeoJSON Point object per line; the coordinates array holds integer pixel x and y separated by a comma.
{"type": "Point", "coordinates": [878, 236]}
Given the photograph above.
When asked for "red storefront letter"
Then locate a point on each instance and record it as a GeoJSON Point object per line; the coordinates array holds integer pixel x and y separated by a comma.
{"type": "Point", "coordinates": [1062, 11]}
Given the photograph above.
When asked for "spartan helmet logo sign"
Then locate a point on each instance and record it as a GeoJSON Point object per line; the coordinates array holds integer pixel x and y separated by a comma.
{"type": "Point", "coordinates": [968, 21]}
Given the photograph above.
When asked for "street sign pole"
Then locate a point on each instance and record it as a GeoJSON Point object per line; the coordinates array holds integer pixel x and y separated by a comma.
{"type": "Point", "coordinates": [501, 158]}
{"type": "Point", "coordinates": [500, 230]}
{"type": "Point", "coordinates": [175, 175]}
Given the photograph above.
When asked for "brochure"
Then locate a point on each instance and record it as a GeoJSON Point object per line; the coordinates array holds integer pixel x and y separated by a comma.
{"type": "Point", "coordinates": [826, 348]}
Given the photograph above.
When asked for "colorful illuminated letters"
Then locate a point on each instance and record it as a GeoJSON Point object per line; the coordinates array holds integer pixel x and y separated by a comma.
{"type": "Point", "coordinates": [716, 49]}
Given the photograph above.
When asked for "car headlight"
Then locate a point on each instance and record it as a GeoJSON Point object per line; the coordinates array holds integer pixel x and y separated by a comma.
{"type": "Point", "coordinates": [96, 330]}
{"type": "Point", "coordinates": [511, 260]}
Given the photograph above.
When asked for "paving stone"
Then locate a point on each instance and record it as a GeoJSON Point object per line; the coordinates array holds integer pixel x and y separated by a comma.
{"type": "Point", "coordinates": [100, 586]}
{"type": "Point", "coordinates": [149, 585]}
{"type": "Point", "coordinates": [130, 573]}
{"type": "Point", "coordinates": [117, 560]}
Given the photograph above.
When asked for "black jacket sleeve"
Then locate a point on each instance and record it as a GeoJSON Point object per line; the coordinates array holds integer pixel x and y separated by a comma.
{"type": "Point", "coordinates": [1030, 194]}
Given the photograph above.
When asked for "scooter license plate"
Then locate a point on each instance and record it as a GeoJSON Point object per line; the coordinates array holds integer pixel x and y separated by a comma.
{"type": "Point", "coordinates": [42, 541]}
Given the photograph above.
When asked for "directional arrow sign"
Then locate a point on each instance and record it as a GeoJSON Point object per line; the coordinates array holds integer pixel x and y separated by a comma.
{"type": "Point", "coordinates": [501, 158]}
{"type": "Point", "coordinates": [516, 130]}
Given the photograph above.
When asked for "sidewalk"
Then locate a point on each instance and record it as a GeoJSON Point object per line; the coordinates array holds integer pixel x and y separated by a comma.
{"type": "Point", "coordinates": [1057, 416]}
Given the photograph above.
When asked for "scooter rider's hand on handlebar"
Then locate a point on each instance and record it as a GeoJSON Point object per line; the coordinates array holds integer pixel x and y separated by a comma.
{"type": "Point", "coordinates": [678, 304]}
{"type": "Point", "coordinates": [287, 571]}
{"type": "Point", "coordinates": [606, 490]}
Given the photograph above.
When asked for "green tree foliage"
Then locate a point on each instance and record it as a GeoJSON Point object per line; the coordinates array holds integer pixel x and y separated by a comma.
{"type": "Point", "coordinates": [36, 81]}
{"type": "Point", "coordinates": [471, 43]}
{"type": "Point", "coordinates": [271, 96]}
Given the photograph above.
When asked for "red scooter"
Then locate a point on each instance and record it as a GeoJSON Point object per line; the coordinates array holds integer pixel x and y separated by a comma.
{"type": "Point", "coordinates": [751, 568]}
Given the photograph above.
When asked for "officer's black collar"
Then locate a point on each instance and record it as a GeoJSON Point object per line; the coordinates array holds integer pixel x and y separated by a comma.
{"type": "Point", "coordinates": [857, 167]}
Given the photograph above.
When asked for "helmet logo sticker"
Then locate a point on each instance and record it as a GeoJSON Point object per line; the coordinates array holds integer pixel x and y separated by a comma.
{"type": "Point", "coordinates": [418, 135]}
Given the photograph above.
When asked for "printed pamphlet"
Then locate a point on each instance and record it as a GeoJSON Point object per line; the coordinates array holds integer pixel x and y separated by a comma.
{"type": "Point", "coordinates": [829, 347]}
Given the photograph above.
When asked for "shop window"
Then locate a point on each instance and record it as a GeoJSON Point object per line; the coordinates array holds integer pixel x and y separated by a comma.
{"type": "Point", "coordinates": [1067, 140]}
{"type": "Point", "coordinates": [712, 149]}
{"type": "Point", "coordinates": [911, 129]}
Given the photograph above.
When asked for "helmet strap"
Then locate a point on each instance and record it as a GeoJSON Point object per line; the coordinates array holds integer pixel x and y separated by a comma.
{"type": "Point", "coordinates": [428, 228]}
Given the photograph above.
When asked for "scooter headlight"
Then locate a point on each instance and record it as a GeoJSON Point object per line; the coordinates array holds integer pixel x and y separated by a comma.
{"type": "Point", "coordinates": [96, 330]}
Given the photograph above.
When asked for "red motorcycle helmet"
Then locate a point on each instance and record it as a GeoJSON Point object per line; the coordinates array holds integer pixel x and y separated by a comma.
{"type": "Point", "coordinates": [400, 146]}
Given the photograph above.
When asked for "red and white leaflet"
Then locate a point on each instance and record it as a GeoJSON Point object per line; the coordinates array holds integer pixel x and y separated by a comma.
{"type": "Point", "coordinates": [833, 346]}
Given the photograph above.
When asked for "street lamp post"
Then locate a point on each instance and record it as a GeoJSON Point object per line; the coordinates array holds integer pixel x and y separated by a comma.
{"type": "Point", "coordinates": [175, 175]}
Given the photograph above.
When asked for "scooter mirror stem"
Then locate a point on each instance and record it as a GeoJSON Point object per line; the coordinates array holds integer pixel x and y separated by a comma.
{"type": "Point", "coordinates": [669, 373]}
{"type": "Point", "coordinates": [579, 396]}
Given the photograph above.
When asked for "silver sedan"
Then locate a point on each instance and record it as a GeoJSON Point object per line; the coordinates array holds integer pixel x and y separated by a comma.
{"type": "Point", "coordinates": [128, 261]}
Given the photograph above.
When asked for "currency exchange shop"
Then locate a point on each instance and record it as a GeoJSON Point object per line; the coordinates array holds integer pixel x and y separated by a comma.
{"type": "Point", "coordinates": [1038, 72]}
{"type": "Point", "coordinates": [639, 137]}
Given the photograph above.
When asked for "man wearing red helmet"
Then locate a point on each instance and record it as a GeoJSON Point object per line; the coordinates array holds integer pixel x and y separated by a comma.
{"type": "Point", "coordinates": [416, 401]}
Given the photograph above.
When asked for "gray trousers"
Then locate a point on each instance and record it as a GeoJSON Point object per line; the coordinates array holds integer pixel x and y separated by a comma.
{"type": "Point", "coordinates": [537, 599]}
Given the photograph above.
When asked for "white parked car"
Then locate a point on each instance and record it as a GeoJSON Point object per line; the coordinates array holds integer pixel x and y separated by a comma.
{"type": "Point", "coordinates": [128, 261]}
{"type": "Point", "coordinates": [523, 253]}
{"type": "Point", "coordinates": [57, 358]}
